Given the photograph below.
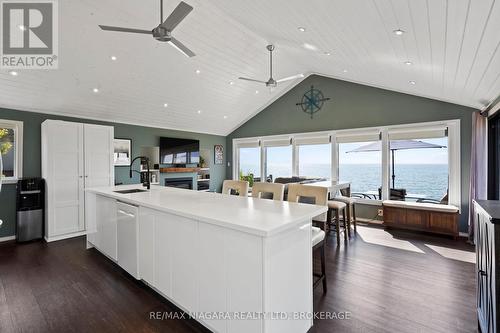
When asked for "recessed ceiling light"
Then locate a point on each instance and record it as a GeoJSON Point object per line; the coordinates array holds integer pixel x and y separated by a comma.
{"type": "Point", "coordinates": [231, 83]}
{"type": "Point", "coordinates": [95, 90]}
{"type": "Point", "coordinates": [13, 73]}
{"type": "Point", "coordinates": [327, 53]}
{"type": "Point", "coordinates": [345, 71]}
{"type": "Point", "coordinates": [113, 58]}
{"type": "Point", "coordinates": [198, 71]}
{"type": "Point", "coordinates": [256, 91]}
{"type": "Point", "coordinates": [165, 105]}
{"type": "Point", "coordinates": [408, 63]}
{"type": "Point", "coordinates": [398, 32]}
{"type": "Point", "coordinates": [412, 82]}
{"type": "Point", "coordinates": [310, 47]}
{"type": "Point", "coordinates": [22, 27]}
{"type": "Point", "coordinates": [225, 117]}
{"type": "Point", "coordinates": [301, 29]}
{"type": "Point", "coordinates": [199, 111]}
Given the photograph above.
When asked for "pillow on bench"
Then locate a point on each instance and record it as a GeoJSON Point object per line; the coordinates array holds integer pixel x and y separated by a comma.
{"type": "Point", "coordinates": [421, 206]}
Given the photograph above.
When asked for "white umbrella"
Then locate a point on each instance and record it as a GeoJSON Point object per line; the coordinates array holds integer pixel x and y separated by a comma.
{"type": "Point", "coordinates": [396, 145]}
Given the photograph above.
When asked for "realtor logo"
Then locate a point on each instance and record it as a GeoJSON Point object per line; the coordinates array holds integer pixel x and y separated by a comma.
{"type": "Point", "coordinates": [29, 34]}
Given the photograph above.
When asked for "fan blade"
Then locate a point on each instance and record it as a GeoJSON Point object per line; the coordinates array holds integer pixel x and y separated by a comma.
{"type": "Point", "coordinates": [293, 77]}
{"type": "Point", "coordinates": [181, 47]}
{"type": "Point", "coordinates": [253, 80]}
{"type": "Point", "coordinates": [179, 13]}
{"type": "Point", "coordinates": [119, 29]}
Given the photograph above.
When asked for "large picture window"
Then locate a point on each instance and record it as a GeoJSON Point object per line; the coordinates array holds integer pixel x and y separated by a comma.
{"type": "Point", "coordinates": [315, 161]}
{"type": "Point", "coordinates": [278, 162]}
{"type": "Point", "coordinates": [362, 168]}
{"type": "Point", "coordinates": [411, 162]}
{"type": "Point", "coordinates": [249, 162]}
{"type": "Point", "coordinates": [11, 150]}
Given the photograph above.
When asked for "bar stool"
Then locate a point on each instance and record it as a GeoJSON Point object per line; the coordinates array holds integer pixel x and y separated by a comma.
{"type": "Point", "coordinates": [239, 186]}
{"type": "Point", "coordinates": [350, 209]}
{"type": "Point", "coordinates": [335, 207]}
{"type": "Point", "coordinates": [320, 197]}
{"type": "Point", "coordinates": [268, 191]}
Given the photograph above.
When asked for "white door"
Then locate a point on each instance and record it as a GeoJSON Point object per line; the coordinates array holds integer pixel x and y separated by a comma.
{"type": "Point", "coordinates": [99, 167]}
{"type": "Point", "coordinates": [64, 176]}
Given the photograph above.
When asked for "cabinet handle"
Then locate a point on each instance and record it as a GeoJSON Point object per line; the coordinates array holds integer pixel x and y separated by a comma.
{"type": "Point", "coordinates": [482, 273]}
{"type": "Point", "coordinates": [125, 213]}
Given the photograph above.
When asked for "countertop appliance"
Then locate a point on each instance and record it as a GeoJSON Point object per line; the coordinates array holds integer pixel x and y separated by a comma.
{"type": "Point", "coordinates": [30, 209]}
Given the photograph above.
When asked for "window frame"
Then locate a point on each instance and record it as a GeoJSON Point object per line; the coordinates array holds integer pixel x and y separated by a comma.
{"type": "Point", "coordinates": [17, 126]}
{"type": "Point", "coordinates": [454, 153]}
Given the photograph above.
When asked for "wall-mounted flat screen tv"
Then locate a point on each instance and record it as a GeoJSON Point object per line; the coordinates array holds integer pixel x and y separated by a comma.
{"type": "Point", "coordinates": [179, 151]}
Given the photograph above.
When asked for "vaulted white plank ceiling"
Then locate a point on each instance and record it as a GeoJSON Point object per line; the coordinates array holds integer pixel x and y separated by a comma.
{"type": "Point", "coordinates": [452, 45]}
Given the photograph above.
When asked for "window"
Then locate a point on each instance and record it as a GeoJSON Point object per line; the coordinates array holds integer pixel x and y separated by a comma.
{"type": "Point", "coordinates": [278, 162]}
{"type": "Point", "coordinates": [425, 169]}
{"type": "Point", "coordinates": [249, 162]}
{"type": "Point", "coordinates": [361, 164]}
{"type": "Point", "coordinates": [315, 161]}
{"type": "Point", "coordinates": [11, 150]}
{"type": "Point", "coordinates": [419, 167]}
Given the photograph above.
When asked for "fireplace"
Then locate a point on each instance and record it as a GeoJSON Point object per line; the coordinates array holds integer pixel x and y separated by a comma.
{"type": "Point", "coordinates": [180, 182]}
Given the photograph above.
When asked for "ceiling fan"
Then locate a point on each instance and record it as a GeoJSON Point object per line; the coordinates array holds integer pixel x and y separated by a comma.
{"type": "Point", "coordinates": [272, 82]}
{"type": "Point", "coordinates": [163, 32]}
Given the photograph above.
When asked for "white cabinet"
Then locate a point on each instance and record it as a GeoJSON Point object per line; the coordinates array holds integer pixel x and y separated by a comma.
{"type": "Point", "coordinates": [106, 219]}
{"type": "Point", "coordinates": [127, 233]}
{"type": "Point", "coordinates": [202, 267]}
{"type": "Point", "coordinates": [146, 246]}
{"type": "Point", "coordinates": [74, 156]}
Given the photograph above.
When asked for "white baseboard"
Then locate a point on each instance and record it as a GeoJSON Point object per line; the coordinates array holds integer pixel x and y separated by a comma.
{"type": "Point", "coordinates": [66, 236]}
{"type": "Point", "coordinates": [6, 239]}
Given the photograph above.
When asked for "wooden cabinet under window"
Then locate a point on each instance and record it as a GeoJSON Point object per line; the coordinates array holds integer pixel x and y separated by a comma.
{"type": "Point", "coordinates": [441, 219]}
{"type": "Point", "coordinates": [487, 234]}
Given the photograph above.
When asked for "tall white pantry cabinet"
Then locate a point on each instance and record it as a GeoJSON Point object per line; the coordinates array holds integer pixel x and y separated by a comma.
{"type": "Point", "coordinates": [75, 156]}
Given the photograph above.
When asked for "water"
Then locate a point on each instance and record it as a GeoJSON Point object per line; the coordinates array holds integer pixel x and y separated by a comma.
{"type": "Point", "coordinates": [429, 180]}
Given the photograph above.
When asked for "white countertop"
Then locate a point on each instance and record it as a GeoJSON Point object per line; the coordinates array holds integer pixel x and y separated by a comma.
{"type": "Point", "coordinates": [261, 217]}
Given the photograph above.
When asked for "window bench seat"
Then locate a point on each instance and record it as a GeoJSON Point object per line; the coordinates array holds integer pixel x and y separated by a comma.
{"type": "Point", "coordinates": [435, 218]}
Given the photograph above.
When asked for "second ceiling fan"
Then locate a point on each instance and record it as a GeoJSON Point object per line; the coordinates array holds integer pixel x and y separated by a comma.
{"type": "Point", "coordinates": [271, 82]}
{"type": "Point", "coordinates": [163, 32]}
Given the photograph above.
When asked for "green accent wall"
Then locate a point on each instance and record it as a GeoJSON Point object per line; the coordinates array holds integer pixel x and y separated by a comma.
{"type": "Point", "coordinates": [141, 137]}
{"type": "Point", "coordinates": [354, 105]}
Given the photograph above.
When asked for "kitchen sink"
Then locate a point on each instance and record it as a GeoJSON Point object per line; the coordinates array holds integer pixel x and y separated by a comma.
{"type": "Point", "coordinates": [134, 190]}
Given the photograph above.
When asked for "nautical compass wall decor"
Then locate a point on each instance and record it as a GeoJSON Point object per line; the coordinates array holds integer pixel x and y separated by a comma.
{"type": "Point", "coordinates": [312, 101]}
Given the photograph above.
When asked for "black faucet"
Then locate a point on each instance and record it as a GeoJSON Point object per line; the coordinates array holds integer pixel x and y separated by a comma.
{"type": "Point", "coordinates": [144, 160]}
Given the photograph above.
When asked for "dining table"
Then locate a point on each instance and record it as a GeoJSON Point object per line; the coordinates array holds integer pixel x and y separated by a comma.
{"type": "Point", "coordinates": [334, 186]}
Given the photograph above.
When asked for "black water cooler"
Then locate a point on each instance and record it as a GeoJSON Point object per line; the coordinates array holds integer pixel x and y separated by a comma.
{"type": "Point", "coordinates": [30, 209]}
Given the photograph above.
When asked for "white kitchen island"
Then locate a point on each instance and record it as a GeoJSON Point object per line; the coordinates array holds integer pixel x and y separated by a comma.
{"type": "Point", "coordinates": [236, 264]}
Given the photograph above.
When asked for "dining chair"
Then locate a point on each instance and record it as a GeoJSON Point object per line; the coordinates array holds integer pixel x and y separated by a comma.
{"type": "Point", "coordinates": [318, 196]}
{"type": "Point", "coordinates": [268, 191]}
{"type": "Point", "coordinates": [350, 208]}
{"type": "Point", "coordinates": [239, 186]}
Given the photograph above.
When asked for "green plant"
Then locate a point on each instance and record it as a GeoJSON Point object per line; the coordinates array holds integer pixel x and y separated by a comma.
{"type": "Point", "coordinates": [248, 178]}
{"type": "Point", "coordinates": [5, 141]}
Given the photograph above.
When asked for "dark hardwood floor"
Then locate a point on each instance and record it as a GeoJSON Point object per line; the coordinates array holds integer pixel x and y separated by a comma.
{"type": "Point", "coordinates": [386, 282]}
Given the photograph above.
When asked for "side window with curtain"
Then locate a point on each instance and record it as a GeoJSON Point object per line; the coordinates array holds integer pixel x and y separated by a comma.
{"type": "Point", "coordinates": [10, 149]}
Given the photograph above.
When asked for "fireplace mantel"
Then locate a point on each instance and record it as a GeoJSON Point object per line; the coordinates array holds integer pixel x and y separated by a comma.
{"type": "Point", "coordinates": [182, 170]}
